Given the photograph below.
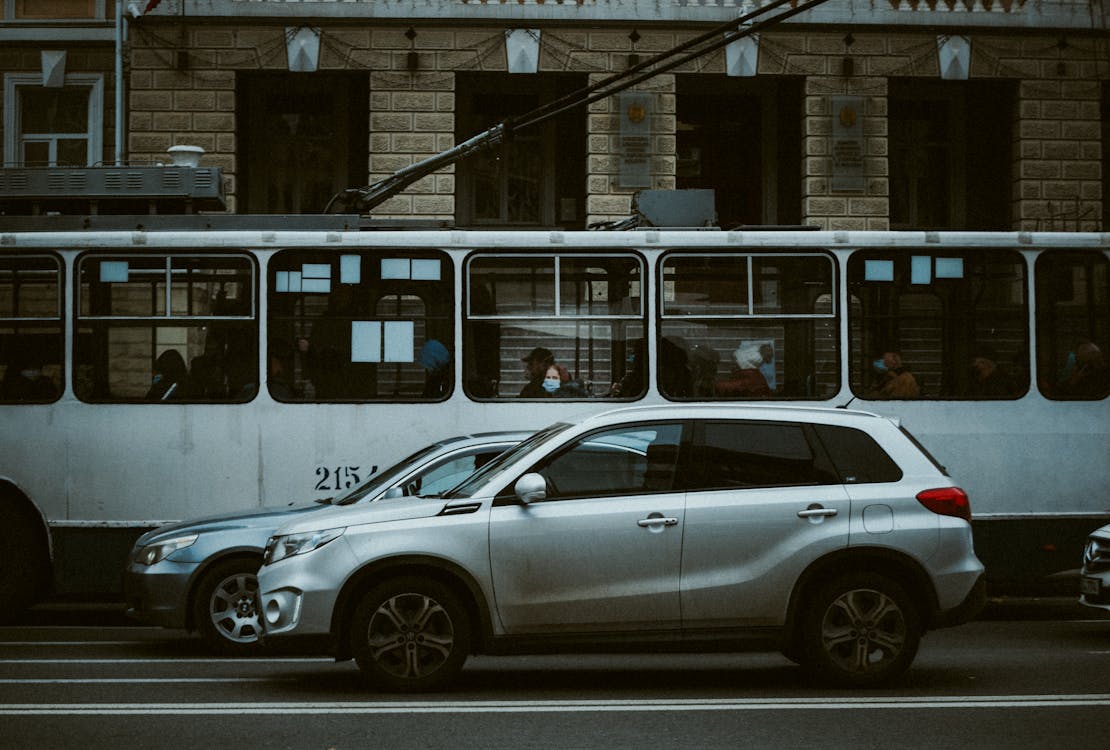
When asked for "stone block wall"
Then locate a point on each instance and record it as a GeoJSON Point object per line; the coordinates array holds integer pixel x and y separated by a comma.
{"type": "Point", "coordinates": [1057, 175]}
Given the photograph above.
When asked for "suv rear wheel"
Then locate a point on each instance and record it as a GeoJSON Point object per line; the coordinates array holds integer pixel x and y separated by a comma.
{"type": "Point", "coordinates": [861, 629]}
{"type": "Point", "coordinates": [410, 634]}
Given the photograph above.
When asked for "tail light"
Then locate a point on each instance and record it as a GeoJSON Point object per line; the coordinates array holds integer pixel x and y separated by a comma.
{"type": "Point", "coordinates": [947, 501]}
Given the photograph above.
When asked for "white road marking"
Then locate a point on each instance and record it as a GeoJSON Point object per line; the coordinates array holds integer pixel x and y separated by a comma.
{"type": "Point", "coordinates": [140, 680]}
{"type": "Point", "coordinates": [171, 660]}
{"type": "Point", "coordinates": [554, 706]}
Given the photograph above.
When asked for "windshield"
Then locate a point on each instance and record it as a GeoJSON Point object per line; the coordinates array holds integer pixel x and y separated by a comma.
{"type": "Point", "coordinates": [380, 482]}
{"type": "Point", "coordinates": [497, 465]}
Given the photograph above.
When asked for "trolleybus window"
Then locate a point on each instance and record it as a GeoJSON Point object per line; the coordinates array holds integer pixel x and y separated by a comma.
{"type": "Point", "coordinates": [958, 321]}
{"type": "Point", "coordinates": [365, 326]}
{"type": "Point", "coordinates": [583, 313]}
{"type": "Point", "coordinates": [1073, 325]}
{"type": "Point", "coordinates": [164, 328]}
{"type": "Point", "coordinates": [30, 329]}
{"type": "Point", "coordinates": [747, 327]}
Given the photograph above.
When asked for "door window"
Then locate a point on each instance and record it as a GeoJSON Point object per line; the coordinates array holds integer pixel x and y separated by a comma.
{"type": "Point", "coordinates": [630, 460]}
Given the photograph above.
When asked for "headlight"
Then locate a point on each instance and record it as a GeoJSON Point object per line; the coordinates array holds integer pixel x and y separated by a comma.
{"type": "Point", "coordinates": [159, 551]}
{"type": "Point", "coordinates": [287, 545]}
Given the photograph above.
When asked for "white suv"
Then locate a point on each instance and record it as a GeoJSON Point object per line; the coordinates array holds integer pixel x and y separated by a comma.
{"type": "Point", "coordinates": [828, 534]}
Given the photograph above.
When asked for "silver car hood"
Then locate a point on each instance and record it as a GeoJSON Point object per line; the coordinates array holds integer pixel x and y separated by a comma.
{"type": "Point", "coordinates": [380, 511]}
{"type": "Point", "coordinates": [268, 517]}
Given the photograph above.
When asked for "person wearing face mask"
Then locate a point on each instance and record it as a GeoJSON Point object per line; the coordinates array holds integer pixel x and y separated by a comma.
{"type": "Point", "coordinates": [535, 367]}
{"type": "Point", "coordinates": [895, 380]}
{"type": "Point", "coordinates": [167, 382]}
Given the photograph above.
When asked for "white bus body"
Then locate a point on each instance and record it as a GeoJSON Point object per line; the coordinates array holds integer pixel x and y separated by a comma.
{"type": "Point", "coordinates": [95, 471]}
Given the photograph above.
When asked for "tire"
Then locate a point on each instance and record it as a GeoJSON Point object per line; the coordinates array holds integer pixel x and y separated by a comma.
{"type": "Point", "coordinates": [860, 630]}
{"type": "Point", "coordinates": [226, 607]}
{"type": "Point", "coordinates": [24, 561]}
{"type": "Point", "coordinates": [410, 635]}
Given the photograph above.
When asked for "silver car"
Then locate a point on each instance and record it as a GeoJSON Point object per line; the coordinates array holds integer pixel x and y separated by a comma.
{"type": "Point", "coordinates": [200, 574]}
{"type": "Point", "coordinates": [828, 534]}
{"type": "Point", "coordinates": [1094, 578]}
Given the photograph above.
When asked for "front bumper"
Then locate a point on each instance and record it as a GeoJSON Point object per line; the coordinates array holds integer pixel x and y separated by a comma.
{"type": "Point", "coordinates": [298, 594]}
{"type": "Point", "coordinates": [157, 594]}
{"type": "Point", "coordinates": [1095, 589]}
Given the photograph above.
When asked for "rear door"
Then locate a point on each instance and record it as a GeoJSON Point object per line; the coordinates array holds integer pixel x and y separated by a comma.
{"type": "Point", "coordinates": [764, 502]}
{"type": "Point", "coordinates": [602, 552]}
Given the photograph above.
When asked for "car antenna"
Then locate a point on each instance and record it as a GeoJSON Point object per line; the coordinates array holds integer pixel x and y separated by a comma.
{"type": "Point", "coordinates": [847, 403]}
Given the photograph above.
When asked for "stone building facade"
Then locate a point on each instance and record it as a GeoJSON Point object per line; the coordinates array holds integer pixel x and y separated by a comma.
{"type": "Point", "coordinates": [1019, 146]}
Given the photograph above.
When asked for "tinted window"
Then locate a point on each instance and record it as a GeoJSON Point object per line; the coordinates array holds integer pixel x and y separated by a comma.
{"type": "Point", "coordinates": [856, 455]}
{"type": "Point", "coordinates": [752, 454]}
{"type": "Point", "coordinates": [627, 460]}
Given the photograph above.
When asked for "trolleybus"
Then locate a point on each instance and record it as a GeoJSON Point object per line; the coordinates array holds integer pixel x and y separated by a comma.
{"type": "Point", "coordinates": [155, 373]}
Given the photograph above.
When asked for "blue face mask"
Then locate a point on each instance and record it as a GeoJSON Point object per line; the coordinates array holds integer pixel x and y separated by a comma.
{"type": "Point", "coordinates": [551, 384]}
{"type": "Point", "coordinates": [879, 365]}
{"type": "Point", "coordinates": [156, 379]}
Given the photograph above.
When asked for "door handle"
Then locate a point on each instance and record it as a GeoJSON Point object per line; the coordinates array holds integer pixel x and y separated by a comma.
{"type": "Point", "coordinates": [817, 512]}
{"type": "Point", "coordinates": [657, 521]}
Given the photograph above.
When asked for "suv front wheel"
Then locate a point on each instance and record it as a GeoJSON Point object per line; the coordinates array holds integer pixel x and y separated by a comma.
{"type": "Point", "coordinates": [861, 629]}
{"type": "Point", "coordinates": [410, 634]}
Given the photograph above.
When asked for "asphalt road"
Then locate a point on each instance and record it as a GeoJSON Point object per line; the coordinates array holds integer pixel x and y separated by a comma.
{"type": "Point", "coordinates": [1028, 677]}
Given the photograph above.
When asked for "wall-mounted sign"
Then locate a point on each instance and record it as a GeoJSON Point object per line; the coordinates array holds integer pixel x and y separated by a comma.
{"type": "Point", "coordinates": [635, 135]}
{"type": "Point", "coordinates": [847, 145]}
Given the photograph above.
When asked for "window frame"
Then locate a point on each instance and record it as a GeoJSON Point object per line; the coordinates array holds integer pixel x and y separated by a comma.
{"type": "Point", "coordinates": [1045, 375]}
{"type": "Point", "coordinates": [751, 317]}
{"type": "Point", "coordinates": [901, 283]}
{"type": "Point", "coordinates": [166, 319]}
{"type": "Point", "coordinates": [58, 319]}
{"type": "Point", "coordinates": [316, 255]}
{"type": "Point", "coordinates": [14, 139]}
{"type": "Point", "coordinates": [557, 312]}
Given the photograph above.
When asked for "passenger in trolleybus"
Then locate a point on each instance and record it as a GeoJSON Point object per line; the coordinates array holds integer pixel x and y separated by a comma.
{"type": "Point", "coordinates": [436, 361]}
{"type": "Point", "coordinates": [746, 378]}
{"type": "Point", "coordinates": [24, 379]}
{"type": "Point", "coordinates": [895, 379]}
{"type": "Point", "coordinates": [989, 379]}
{"type": "Point", "coordinates": [168, 382]}
{"type": "Point", "coordinates": [536, 363]}
{"type": "Point", "coordinates": [1086, 375]}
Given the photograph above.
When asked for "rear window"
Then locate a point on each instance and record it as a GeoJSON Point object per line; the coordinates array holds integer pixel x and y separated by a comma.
{"type": "Point", "coordinates": [858, 458]}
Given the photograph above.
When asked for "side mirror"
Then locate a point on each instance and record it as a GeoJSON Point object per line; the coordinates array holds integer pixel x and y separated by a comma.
{"type": "Point", "coordinates": [530, 488]}
{"type": "Point", "coordinates": [394, 492]}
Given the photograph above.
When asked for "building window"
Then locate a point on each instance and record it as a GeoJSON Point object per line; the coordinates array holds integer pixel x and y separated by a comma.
{"type": "Point", "coordinates": [303, 139]}
{"type": "Point", "coordinates": [54, 10]}
{"type": "Point", "coordinates": [53, 127]}
{"type": "Point", "coordinates": [534, 179]}
{"type": "Point", "coordinates": [951, 154]}
{"type": "Point", "coordinates": [742, 138]}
